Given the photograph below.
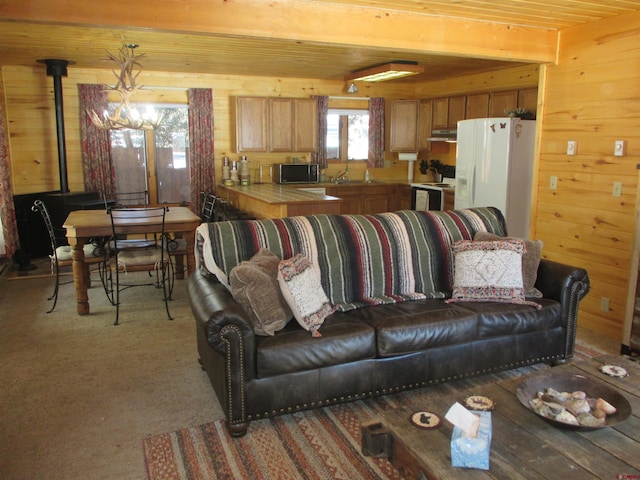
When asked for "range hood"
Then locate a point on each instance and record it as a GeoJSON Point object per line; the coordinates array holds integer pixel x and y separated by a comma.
{"type": "Point", "coordinates": [447, 135]}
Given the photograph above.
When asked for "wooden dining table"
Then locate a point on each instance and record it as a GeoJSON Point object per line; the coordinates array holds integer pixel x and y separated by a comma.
{"type": "Point", "coordinates": [82, 225]}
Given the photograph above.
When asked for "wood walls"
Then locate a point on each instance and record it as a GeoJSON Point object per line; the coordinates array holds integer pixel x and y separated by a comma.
{"type": "Point", "coordinates": [592, 96]}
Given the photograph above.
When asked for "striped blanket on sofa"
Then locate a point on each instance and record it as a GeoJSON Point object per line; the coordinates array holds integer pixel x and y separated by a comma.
{"type": "Point", "coordinates": [362, 259]}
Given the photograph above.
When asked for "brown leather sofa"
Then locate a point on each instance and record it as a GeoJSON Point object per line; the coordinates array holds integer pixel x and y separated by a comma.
{"type": "Point", "coordinates": [371, 349]}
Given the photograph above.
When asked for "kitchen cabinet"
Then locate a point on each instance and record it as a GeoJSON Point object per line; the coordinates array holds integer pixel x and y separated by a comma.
{"type": "Point", "coordinates": [528, 99]}
{"type": "Point", "coordinates": [276, 124]}
{"type": "Point", "coordinates": [251, 124]}
{"type": "Point", "coordinates": [501, 101]}
{"type": "Point", "coordinates": [440, 115]}
{"type": "Point", "coordinates": [477, 106]}
{"type": "Point", "coordinates": [401, 198]}
{"type": "Point", "coordinates": [305, 125]}
{"type": "Point", "coordinates": [364, 199]}
{"type": "Point", "coordinates": [403, 131]}
{"type": "Point", "coordinates": [447, 111]}
{"type": "Point", "coordinates": [281, 125]}
{"type": "Point", "coordinates": [425, 111]}
{"type": "Point", "coordinates": [456, 111]}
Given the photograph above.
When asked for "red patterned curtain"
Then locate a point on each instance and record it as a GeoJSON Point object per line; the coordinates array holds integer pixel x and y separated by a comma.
{"type": "Point", "coordinates": [201, 144]}
{"type": "Point", "coordinates": [7, 209]}
{"type": "Point", "coordinates": [376, 133]}
{"type": "Point", "coordinates": [99, 173]}
{"type": "Point", "coordinates": [323, 109]}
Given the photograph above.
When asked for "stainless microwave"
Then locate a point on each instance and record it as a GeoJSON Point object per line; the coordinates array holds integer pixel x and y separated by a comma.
{"type": "Point", "coordinates": [295, 173]}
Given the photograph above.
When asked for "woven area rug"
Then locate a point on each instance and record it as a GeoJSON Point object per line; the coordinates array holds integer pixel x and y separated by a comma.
{"type": "Point", "coordinates": [317, 444]}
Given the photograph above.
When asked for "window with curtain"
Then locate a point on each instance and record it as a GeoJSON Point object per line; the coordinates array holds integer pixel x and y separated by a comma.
{"type": "Point", "coordinates": [347, 134]}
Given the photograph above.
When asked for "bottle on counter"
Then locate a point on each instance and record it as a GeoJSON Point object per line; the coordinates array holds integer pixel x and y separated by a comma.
{"type": "Point", "coordinates": [226, 171]}
{"type": "Point", "coordinates": [244, 171]}
{"type": "Point", "coordinates": [234, 173]}
{"type": "Point", "coordinates": [367, 178]}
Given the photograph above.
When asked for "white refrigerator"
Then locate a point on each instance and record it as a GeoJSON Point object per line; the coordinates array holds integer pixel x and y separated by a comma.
{"type": "Point", "coordinates": [494, 168]}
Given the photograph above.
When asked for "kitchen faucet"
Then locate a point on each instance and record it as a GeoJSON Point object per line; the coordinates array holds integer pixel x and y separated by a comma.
{"type": "Point", "coordinates": [343, 175]}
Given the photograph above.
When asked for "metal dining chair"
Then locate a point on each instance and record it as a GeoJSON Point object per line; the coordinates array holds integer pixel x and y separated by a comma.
{"type": "Point", "coordinates": [60, 256]}
{"type": "Point", "coordinates": [153, 259]}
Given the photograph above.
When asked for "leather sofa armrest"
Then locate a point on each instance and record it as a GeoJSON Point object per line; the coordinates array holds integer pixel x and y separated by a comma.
{"type": "Point", "coordinates": [568, 285]}
{"type": "Point", "coordinates": [223, 321]}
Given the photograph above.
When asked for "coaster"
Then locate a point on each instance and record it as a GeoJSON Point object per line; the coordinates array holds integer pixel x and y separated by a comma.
{"type": "Point", "coordinates": [425, 420]}
{"type": "Point", "coordinates": [614, 371]}
{"type": "Point", "coordinates": [479, 403]}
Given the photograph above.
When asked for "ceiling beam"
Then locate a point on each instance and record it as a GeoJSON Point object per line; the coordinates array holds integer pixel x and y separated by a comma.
{"type": "Point", "coordinates": [301, 20]}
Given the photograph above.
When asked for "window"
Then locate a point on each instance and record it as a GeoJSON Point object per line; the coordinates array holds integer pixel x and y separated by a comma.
{"type": "Point", "coordinates": [347, 134]}
{"type": "Point", "coordinates": [157, 161]}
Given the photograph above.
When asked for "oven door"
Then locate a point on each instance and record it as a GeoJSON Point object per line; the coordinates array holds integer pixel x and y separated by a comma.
{"type": "Point", "coordinates": [426, 198]}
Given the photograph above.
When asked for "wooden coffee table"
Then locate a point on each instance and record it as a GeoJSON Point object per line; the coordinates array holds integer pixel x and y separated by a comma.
{"type": "Point", "coordinates": [524, 445]}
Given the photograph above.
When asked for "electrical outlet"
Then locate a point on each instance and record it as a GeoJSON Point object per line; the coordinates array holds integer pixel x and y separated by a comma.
{"type": "Point", "coordinates": [617, 189]}
{"type": "Point", "coordinates": [571, 147]}
{"type": "Point", "coordinates": [618, 150]}
{"type": "Point", "coordinates": [553, 182]}
{"type": "Point", "coordinates": [604, 304]}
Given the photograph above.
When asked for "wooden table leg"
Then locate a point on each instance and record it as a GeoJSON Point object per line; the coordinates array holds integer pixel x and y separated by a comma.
{"type": "Point", "coordinates": [190, 238]}
{"type": "Point", "coordinates": [80, 272]}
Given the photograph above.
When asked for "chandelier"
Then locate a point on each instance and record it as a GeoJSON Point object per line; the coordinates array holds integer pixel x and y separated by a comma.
{"type": "Point", "coordinates": [125, 115]}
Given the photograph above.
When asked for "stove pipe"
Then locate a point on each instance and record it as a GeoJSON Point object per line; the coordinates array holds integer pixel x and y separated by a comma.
{"type": "Point", "coordinates": [57, 69]}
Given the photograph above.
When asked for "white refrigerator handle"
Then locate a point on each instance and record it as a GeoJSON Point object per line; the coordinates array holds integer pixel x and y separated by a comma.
{"type": "Point", "coordinates": [471, 181]}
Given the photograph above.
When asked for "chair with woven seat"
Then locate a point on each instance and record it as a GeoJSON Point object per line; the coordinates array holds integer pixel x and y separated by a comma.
{"type": "Point", "coordinates": [60, 256]}
{"type": "Point", "coordinates": [153, 259]}
{"type": "Point", "coordinates": [177, 247]}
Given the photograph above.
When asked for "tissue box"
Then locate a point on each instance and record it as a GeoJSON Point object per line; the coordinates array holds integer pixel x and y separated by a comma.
{"type": "Point", "coordinates": [472, 452]}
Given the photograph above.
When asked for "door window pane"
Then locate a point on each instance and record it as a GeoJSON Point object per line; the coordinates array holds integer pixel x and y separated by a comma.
{"type": "Point", "coordinates": [172, 155]}
{"type": "Point", "coordinates": [129, 156]}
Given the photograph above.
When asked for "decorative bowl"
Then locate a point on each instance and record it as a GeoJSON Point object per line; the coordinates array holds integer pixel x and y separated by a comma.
{"type": "Point", "coordinates": [564, 382]}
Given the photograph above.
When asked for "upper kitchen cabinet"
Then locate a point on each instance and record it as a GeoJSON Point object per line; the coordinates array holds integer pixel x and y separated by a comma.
{"type": "Point", "coordinates": [501, 102]}
{"type": "Point", "coordinates": [477, 106]}
{"type": "Point", "coordinates": [251, 124]}
{"type": "Point", "coordinates": [403, 131]}
{"type": "Point", "coordinates": [276, 124]}
{"type": "Point", "coordinates": [425, 113]}
{"type": "Point", "coordinates": [281, 124]}
{"type": "Point", "coordinates": [305, 125]}
{"type": "Point", "coordinates": [447, 111]}
{"type": "Point", "coordinates": [528, 99]}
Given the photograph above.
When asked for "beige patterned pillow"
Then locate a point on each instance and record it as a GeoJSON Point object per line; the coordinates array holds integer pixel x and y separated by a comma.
{"type": "Point", "coordinates": [488, 272]}
{"type": "Point", "coordinates": [254, 285]}
{"type": "Point", "coordinates": [301, 288]}
{"type": "Point", "coordinates": [530, 261]}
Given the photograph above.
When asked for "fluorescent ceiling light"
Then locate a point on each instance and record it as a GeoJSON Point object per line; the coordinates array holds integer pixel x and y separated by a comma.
{"type": "Point", "coordinates": [388, 71]}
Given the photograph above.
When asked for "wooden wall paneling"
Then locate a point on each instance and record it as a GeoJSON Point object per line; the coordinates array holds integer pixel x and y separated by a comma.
{"type": "Point", "coordinates": [591, 97]}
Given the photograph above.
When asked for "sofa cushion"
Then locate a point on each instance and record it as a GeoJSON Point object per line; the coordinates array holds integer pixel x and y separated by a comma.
{"type": "Point", "coordinates": [254, 285]}
{"type": "Point", "coordinates": [415, 326]}
{"type": "Point", "coordinates": [496, 319]}
{"type": "Point", "coordinates": [292, 349]}
{"type": "Point", "coordinates": [488, 272]}
{"type": "Point", "coordinates": [301, 288]}
{"type": "Point", "coordinates": [530, 261]}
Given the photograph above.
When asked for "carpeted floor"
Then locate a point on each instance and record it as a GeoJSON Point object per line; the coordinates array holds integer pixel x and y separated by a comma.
{"type": "Point", "coordinates": [79, 396]}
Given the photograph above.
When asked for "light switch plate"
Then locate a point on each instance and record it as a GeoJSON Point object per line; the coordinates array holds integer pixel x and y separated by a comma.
{"type": "Point", "coordinates": [571, 147]}
{"type": "Point", "coordinates": [618, 150]}
{"type": "Point", "coordinates": [617, 189]}
{"type": "Point", "coordinates": [553, 182]}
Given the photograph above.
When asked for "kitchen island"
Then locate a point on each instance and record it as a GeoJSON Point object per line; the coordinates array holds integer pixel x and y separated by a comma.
{"type": "Point", "coordinates": [269, 200]}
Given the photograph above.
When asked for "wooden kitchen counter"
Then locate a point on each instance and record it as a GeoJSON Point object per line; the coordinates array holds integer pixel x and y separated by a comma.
{"type": "Point", "coordinates": [268, 200]}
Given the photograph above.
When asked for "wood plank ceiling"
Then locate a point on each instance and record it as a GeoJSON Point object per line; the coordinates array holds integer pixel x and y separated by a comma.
{"type": "Point", "coordinates": [23, 40]}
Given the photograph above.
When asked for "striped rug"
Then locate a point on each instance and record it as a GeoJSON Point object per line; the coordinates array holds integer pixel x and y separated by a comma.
{"type": "Point", "coordinates": [315, 444]}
